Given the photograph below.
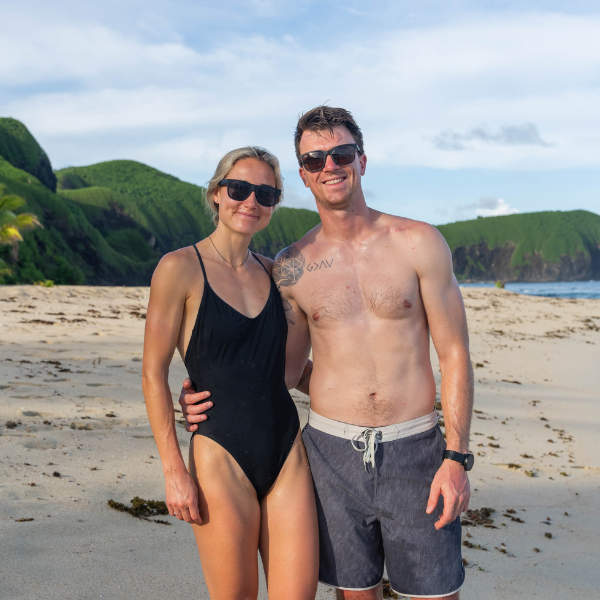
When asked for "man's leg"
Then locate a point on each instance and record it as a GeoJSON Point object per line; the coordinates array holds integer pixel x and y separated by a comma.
{"type": "Point", "coordinates": [350, 545]}
{"type": "Point", "coordinates": [375, 593]}
{"type": "Point", "coordinates": [421, 560]}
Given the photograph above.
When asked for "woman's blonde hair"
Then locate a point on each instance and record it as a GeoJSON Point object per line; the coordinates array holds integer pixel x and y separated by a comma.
{"type": "Point", "coordinates": [226, 164]}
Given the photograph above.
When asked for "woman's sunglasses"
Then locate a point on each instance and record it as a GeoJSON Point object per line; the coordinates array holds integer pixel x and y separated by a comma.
{"type": "Point", "coordinates": [342, 155]}
{"type": "Point", "coordinates": [240, 190]}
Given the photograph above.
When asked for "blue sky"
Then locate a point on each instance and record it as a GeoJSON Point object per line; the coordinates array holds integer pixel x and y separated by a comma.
{"type": "Point", "coordinates": [467, 108]}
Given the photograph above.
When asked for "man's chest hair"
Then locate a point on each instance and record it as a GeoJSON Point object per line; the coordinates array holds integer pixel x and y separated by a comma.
{"type": "Point", "coordinates": [340, 290]}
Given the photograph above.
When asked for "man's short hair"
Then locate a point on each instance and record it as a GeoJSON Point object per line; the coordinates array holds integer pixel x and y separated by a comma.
{"type": "Point", "coordinates": [325, 118]}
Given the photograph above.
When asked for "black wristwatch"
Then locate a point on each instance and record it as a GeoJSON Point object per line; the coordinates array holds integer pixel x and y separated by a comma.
{"type": "Point", "coordinates": [466, 460]}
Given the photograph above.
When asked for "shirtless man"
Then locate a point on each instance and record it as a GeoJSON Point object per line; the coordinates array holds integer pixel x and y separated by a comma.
{"type": "Point", "coordinates": [366, 289]}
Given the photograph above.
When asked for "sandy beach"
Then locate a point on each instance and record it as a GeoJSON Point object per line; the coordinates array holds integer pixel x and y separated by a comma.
{"type": "Point", "coordinates": [74, 434]}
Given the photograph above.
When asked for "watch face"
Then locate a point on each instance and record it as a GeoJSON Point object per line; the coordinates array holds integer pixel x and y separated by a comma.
{"type": "Point", "coordinates": [470, 460]}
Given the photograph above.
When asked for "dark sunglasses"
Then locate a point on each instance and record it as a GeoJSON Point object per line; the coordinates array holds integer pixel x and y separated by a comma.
{"type": "Point", "coordinates": [342, 155]}
{"type": "Point", "coordinates": [240, 190]}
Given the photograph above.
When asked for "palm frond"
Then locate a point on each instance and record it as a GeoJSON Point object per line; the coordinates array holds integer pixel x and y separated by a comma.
{"type": "Point", "coordinates": [11, 202]}
{"type": "Point", "coordinates": [25, 221]}
{"type": "Point", "coordinates": [10, 235]}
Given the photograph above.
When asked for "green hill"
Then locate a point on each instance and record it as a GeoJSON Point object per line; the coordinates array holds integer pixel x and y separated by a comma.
{"type": "Point", "coordinates": [21, 150]}
{"type": "Point", "coordinates": [540, 246]}
{"type": "Point", "coordinates": [110, 223]}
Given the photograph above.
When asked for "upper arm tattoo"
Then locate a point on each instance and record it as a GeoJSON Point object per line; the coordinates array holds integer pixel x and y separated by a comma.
{"type": "Point", "coordinates": [288, 267]}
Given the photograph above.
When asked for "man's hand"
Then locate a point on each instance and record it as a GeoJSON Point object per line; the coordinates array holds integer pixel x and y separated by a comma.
{"type": "Point", "coordinates": [192, 411]}
{"type": "Point", "coordinates": [452, 483]}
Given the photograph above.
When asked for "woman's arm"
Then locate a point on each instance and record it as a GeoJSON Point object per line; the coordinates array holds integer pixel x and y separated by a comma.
{"type": "Point", "coordinates": [168, 295]}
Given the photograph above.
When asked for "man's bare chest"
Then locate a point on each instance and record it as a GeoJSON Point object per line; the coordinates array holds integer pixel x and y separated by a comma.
{"type": "Point", "coordinates": [336, 290]}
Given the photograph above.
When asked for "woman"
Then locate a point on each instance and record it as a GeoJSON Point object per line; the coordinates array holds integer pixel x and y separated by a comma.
{"type": "Point", "coordinates": [248, 486]}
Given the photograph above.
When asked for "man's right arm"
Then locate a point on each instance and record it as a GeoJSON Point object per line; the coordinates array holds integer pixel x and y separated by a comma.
{"type": "Point", "coordinates": [288, 268]}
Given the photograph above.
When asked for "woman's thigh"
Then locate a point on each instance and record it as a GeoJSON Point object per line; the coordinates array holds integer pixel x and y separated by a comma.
{"type": "Point", "coordinates": [289, 539]}
{"type": "Point", "coordinates": [229, 535]}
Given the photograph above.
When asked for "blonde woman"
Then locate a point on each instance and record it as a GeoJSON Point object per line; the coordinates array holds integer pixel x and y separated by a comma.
{"type": "Point", "coordinates": [248, 486]}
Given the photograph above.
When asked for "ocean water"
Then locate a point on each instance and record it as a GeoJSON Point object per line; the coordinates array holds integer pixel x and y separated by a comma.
{"type": "Point", "coordinates": [555, 289]}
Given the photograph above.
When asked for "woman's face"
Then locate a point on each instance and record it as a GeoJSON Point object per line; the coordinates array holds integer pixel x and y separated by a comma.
{"type": "Point", "coordinates": [248, 216]}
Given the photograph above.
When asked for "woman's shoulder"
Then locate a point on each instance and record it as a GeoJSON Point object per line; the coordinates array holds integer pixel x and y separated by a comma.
{"type": "Point", "coordinates": [266, 261]}
{"type": "Point", "coordinates": [175, 267]}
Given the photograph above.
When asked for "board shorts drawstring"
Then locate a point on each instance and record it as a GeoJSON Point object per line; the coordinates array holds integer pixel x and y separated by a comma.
{"type": "Point", "coordinates": [372, 437]}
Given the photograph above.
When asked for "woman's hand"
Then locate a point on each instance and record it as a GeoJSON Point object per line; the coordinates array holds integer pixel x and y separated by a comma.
{"type": "Point", "coordinates": [182, 497]}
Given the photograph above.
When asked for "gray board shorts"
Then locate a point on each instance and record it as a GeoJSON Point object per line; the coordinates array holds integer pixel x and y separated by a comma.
{"type": "Point", "coordinates": [372, 487]}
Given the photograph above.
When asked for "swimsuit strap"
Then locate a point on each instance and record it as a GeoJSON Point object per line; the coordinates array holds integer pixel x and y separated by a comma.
{"type": "Point", "coordinates": [201, 264]}
{"type": "Point", "coordinates": [261, 264]}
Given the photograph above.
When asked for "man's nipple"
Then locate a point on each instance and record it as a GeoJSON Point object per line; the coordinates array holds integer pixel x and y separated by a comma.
{"type": "Point", "coordinates": [407, 304]}
{"type": "Point", "coordinates": [316, 316]}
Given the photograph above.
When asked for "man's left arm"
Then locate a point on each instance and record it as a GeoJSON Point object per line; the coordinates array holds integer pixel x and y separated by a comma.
{"type": "Point", "coordinates": [448, 326]}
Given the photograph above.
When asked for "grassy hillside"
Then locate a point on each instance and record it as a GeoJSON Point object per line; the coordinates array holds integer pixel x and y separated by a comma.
{"type": "Point", "coordinates": [549, 240]}
{"type": "Point", "coordinates": [110, 223]}
{"type": "Point", "coordinates": [170, 209]}
{"type": "Point", "coordinates": [68, 249]}
{"type": "Point", "coordinates": [20, 149]}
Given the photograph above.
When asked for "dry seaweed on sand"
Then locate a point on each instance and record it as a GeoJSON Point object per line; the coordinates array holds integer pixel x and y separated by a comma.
{"type": "Point", "coordinates": [142, 509]}
{"type": "Point", "coordinates": [388, 592]}
{"type": "Point", "coordinates": [479, 516]}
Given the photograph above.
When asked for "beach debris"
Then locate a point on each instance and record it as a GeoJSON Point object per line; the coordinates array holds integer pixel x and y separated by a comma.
{"type": "Point", "coordinates": [512, 381]}
{"type": "Point", "coordinates": [494, 445]}
{"type": "Point", "coordinates": [536, 549]}
{"type": "Point", "coordinates": [504, 550]}
{"type": "Point", "coordinates": [10, 424]}
{"type": "Point", "coordinates": [525, 455]}
{"type": "Point", "coordinates": [514, 466]}
{"type": "Point", "coordinates": [469, 544]}
{"type": "Point", "coordinates": [531, 473]}
{"type": "Point", "coordinates": [86, 427]}
{"type": "Point", "coordinates": [23, 520]}
{"type": "Point", "coordinates": [110, 415]}
{"type": "Point", "coordinates": [566, 514]}
{"type": "Point", "coordinates": [548, 535]}
{"type": "Point", "coordinates": [480, 516]}
{"type": "Point", "coordinates": [142, 509]}
{"type": "Point", "coordinates": [515, 519]}
{"type": "Point", "coordinates": [56, 474]}
{"type": "Point", "coordinates": [388, 592]}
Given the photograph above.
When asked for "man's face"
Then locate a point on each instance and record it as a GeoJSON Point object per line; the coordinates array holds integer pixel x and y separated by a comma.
{"type": "Point", "coordinates": [334, 187]}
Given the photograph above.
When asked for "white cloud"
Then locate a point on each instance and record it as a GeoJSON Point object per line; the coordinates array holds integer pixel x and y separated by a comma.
{"type": "Point", "coordinates": [526, 134]}
{"type": "Point", "coordinates": [486, 207]}
{"type": "Point", "coordinates": [184, 105]}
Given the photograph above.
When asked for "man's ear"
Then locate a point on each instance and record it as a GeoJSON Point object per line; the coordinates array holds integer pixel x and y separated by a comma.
{"type": "Point", "coordinates": [363, 163]}
{"type": "Point", "coordinates": [303, 176]}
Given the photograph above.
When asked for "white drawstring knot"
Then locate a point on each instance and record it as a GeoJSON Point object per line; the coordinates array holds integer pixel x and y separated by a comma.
{"type": "Point", "coordinates": [372, 438]}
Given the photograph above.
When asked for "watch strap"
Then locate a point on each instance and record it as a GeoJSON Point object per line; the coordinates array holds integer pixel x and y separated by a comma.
{"type": "Point", "coordinates": [463, 459]}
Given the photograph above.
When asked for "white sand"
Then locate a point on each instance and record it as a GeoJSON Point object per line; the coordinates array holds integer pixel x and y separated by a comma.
{"type": "Point", "coordinates": [77, 547]}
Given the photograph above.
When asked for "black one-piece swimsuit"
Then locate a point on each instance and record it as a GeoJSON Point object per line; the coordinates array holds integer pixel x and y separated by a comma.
{"type": "Point", "coordinates": [241, 362]}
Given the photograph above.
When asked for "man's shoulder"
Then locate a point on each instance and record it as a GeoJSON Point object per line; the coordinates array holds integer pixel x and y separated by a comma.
{"type": "Point", "coordinates": [416, 234]}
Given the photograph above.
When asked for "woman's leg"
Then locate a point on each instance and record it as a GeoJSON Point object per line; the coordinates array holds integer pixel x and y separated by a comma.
{"type": "Point", "coordinates": [228, 537]}
{"type": "Point", "coordinates": [289, 538]}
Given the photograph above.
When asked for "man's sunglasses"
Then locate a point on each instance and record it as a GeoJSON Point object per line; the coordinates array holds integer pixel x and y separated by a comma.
{"type": "Point", "coordinates": [342, 155]}
{"type": "Point", "coordinates": [240, 190]}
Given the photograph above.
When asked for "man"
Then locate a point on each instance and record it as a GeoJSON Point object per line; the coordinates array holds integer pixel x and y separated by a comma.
{"type": "Point", "coordinates": [366, 289]}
